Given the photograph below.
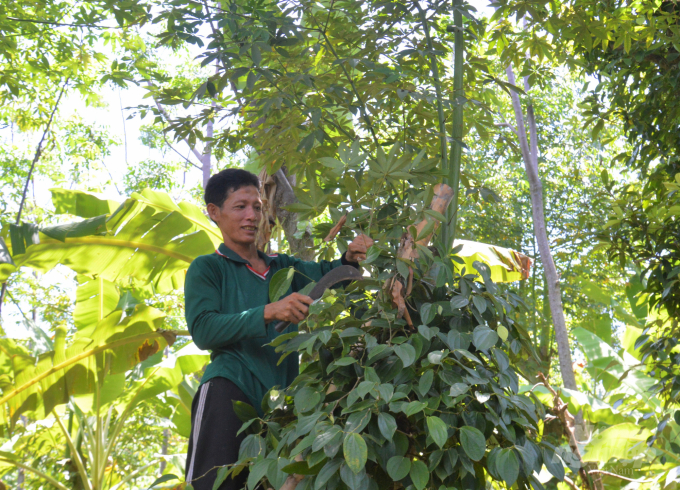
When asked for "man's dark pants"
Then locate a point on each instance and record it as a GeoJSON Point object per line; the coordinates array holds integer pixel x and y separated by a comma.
{"type": "Point", "coordinates": [213, 441]}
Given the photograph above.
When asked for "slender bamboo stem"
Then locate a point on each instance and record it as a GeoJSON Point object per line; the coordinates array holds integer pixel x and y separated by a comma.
{"type": "Point", "coordinates": [453, 178]}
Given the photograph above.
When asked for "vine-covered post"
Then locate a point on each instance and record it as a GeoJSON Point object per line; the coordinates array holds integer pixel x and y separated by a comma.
{"type": "Point", "coordinates": [453, 178]}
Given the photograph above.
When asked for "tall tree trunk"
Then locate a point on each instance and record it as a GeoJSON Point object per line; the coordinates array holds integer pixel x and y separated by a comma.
{"type": "Point", "coordinates": [530, 157]}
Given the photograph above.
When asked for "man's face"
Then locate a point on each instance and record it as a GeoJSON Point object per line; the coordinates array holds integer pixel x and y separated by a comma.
{"type": "Point", "coordinates": [239, 215]}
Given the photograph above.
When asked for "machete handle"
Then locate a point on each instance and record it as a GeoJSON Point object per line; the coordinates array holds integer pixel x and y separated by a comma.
{"type": "Point", "coordinates": [281, 326]}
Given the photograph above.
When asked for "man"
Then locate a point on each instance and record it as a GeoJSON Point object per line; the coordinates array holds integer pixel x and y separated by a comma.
{"type": "Point", "coordinates": [228, 312]}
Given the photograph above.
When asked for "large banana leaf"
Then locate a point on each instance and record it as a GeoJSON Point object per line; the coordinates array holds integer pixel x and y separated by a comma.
{"type": "Point", "coordinates": [622, 441]}
{"type": "Point", "coordinates": [151, 240]}
{"type": "Point", "coordinates": [148, 240]}
{"type": "Point", "coordinates": [81, 203]}
{"type": "Point", "coordinates": [95, 299]}
{"type": "Point", "coordinates": [506, 265]}
{"type": "Point", "coordinates": [114, 345]}
{"type": "Point", "coordinates": [615, 371]}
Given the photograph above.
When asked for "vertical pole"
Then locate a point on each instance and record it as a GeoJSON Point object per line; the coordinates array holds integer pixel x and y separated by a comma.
{"type": "Point", "coordinates": [453, 170]}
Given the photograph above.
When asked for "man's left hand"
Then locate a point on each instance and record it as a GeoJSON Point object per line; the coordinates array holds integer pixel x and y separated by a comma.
{"type": "Point", "coordinates": [356, 251]}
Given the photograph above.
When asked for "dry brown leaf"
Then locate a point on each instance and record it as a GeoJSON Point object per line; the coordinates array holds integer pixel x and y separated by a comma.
{"type": "Point", "coordinates": [336, 228]}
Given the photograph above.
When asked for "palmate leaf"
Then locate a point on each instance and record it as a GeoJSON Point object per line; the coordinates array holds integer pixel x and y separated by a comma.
{"type": "Point", "coordinates": [40, 384]}
{"type": "Point", "coordinates": [148, 240]}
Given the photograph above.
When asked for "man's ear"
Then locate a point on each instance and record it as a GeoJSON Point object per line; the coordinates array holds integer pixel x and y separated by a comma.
{"type": "Point", "coordinates": [213, 212]}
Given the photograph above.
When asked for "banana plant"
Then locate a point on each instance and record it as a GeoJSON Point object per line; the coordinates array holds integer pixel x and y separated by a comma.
{"type": "Point", "coordinates": [90, 385]}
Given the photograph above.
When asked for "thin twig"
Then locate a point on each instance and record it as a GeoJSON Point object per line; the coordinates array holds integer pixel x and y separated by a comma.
{"type": "Point", "coordinates": [507, 125]}
{"type": "Point", "coordinates": [571, 483]}
{"type": "Point", "coordinates": [176, 151]}
{"type": "Point", "coordinates": [122, 113]}
{"type": "Point", "coordinates": [38, 152]}
{"type": "Point", "coordinates": [607, 473]}
{"type": "Point", "coordinates": [112, 179]}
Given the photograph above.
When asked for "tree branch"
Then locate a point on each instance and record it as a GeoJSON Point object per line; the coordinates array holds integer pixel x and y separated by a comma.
{"type": "Point", "coordinates": [571, 483]}
{"type": "Point", "coordinates": [60, 24]}
{"type": "Point", "coordinates": [507, 125]}
{"type": "Point", "coordinates": [167, 117]}
{"type": "Point", "coordinates": [177, 151]}
{"type": "Point", "coordinates": [36, 157]}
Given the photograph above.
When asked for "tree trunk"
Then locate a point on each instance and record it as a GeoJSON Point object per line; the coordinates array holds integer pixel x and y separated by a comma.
{"type": "Point", "coordinates": [303, 247]}
{"type": "Point", "coordinates": [530, 157]}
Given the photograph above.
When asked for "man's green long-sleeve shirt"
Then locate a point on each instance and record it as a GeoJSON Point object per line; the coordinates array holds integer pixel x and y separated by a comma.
{"type": "Point", "coordinates": [225, 300]}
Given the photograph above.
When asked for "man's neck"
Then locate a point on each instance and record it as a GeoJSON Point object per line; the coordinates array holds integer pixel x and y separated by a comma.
{"type": "Point", "coordinates": [247, 252]}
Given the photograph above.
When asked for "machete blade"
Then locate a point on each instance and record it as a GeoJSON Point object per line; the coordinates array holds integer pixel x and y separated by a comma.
{"type": "Point", "coordinates": [339, 274]}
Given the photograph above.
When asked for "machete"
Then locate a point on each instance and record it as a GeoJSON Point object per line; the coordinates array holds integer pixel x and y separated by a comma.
{"type": "Point", "coordinates": [339, 274]}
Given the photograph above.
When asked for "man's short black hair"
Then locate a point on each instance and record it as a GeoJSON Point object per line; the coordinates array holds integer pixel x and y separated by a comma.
{"type": "Point", "coordinates": [229, 180]}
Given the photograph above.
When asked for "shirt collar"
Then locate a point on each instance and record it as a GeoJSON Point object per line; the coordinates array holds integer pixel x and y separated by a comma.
{"type": "Point", "coordinates": [225, 251]}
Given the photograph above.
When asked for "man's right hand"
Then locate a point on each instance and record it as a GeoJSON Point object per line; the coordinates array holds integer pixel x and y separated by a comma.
{"type": "Point", "coordinates": [293, 308]}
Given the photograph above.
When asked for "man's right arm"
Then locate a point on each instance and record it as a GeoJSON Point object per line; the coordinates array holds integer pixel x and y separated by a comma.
{"type": "Point", "coordinates": [209, 328]}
